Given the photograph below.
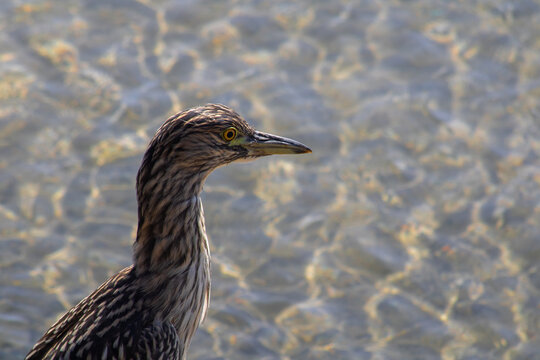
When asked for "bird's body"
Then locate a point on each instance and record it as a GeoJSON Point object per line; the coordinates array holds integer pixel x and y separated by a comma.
{"type": "Point", "coordinates": [151, 309]}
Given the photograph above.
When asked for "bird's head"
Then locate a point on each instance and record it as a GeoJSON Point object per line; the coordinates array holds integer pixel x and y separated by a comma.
{"type": "Point", "coordinates": [194, 142]}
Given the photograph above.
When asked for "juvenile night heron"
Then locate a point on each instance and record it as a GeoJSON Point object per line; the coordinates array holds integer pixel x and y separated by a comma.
{"type": "Point", "coordinates": [151, 309]}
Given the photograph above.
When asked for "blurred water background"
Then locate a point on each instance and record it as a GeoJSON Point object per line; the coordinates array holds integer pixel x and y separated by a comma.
{"type": "Point", "coordinates": [411, 232]}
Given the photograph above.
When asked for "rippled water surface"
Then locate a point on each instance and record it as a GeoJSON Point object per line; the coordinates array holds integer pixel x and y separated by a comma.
{"type": "Point", "coordinates": [411, 232]}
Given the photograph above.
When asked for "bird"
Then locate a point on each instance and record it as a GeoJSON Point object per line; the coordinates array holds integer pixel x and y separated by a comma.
{"type": "Point", "coordinates": [151, 309]}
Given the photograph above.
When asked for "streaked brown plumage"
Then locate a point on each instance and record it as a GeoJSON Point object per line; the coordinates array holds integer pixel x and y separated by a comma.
{"type": "Point", "coordinates": [151, 309]}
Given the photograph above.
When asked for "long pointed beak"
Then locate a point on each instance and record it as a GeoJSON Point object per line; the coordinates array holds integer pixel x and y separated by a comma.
{"type": "Point", "coordinates": [262, 144]}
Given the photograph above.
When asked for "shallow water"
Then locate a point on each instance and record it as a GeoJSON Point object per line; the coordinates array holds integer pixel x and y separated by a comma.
{"type": "Point", "coordinates": [411, 232]}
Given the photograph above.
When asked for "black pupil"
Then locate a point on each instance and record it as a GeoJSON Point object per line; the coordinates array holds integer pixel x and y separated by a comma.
{"type": "Point", "coordinates": [229, 134]}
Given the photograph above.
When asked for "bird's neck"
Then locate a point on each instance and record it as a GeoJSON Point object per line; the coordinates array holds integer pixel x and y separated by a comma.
{"type": "Point", "coordinates": [172, 261]}
{"type": "Point", "coordinates": [171, 235]}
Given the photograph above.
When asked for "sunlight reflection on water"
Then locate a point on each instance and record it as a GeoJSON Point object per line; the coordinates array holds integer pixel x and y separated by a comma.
{"type": "Point", "coordinates": [411, 232]}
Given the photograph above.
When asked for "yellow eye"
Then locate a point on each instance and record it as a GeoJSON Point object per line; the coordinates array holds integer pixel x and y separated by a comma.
{"type": "Point", "coordinates": [229, 134]}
